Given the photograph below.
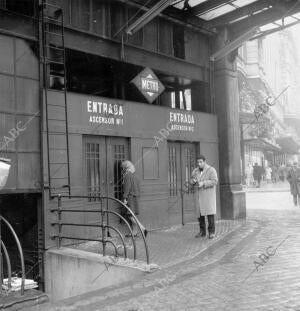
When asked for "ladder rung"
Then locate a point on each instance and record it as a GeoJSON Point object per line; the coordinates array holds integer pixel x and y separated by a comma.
{"type": "Point", "coordinates": [56, 75]}
{"type": "Point", "coordinates": [53, 5]}
{"type": "Point", "coordinates": [53, 19]}
{"type": "Point", "coordinates": [58, 134]}
{"type": "Point", "coordinates": [63, 186]}
{"type": "Point", "coordinates": [57, 149]}
{"type": "Point", "coordinates": [53, 33]}
{"type": "Point", "coordinates": [62, 120]}
{"type": "Point", "coordinates": [54, 62]}
{"type": "Point", "coordinates": [55, 88]}
{"type": "Point", "coordinates": [54, 48]}
{"type": "Point", "coordinates": [57, 163]}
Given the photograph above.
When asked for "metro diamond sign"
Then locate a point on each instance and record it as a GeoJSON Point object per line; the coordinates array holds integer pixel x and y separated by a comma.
{"type": "Point", "coordinates": [148, 84]}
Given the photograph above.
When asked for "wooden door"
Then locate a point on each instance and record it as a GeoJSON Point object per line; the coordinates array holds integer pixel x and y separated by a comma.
{"type": "Point", "coordinates": [182, 161]}
{"type": "Point", "coordinates": [95, 181]}
{"type": "Point", "coordinates": [174, 181]}
{"type": "Point", "coordinates": [188, 163]}
{"type": "Point", "coordinates": [95, 157]}
{"type": "Point", "coordinates": [117, 151]}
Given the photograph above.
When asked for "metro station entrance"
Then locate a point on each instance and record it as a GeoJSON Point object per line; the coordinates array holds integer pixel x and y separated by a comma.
{"type": "Point", "coordinates": [182, 161]}
{"type": "Point", "coordinates": [103, 173]}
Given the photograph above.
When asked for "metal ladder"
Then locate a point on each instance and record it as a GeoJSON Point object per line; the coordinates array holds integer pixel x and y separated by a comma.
{"type": "Point", "coordinates": [52, 59]}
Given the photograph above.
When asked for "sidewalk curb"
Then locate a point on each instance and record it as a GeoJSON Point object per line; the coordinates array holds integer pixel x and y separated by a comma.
{"type": "Point", "coordinates": [113, 295]}
{"type": "Point", "coordinates": [266, 190]}
{"type": "Point", "coordinates": [213, 242]}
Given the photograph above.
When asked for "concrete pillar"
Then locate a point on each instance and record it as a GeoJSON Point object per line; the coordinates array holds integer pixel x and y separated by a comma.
{"type": "Point", "coordinates": [233, 203]}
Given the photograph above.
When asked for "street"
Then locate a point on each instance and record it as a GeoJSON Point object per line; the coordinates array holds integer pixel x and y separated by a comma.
{"type": "Point", "coordinates": [254, 268]}
{"type": "Point", "coordinates": [236, 282]}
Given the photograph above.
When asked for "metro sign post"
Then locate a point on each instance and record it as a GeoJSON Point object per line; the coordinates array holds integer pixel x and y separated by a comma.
{"type": "Point", "coordinates": [148, 84]}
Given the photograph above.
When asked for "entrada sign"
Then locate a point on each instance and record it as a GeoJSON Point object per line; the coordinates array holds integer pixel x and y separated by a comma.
{"type": "Point", "coordinates": [148, 84]}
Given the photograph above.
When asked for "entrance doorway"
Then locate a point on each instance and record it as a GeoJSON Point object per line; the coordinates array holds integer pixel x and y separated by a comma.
{"type": "Point", "coordinates": [103, 158]}
{"type": "Point", "coordinates": [24, 212]}
{"type": "Point", "coordinates": [182, 161]}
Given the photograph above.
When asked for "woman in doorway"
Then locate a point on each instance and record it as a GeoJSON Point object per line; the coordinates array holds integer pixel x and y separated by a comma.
{"type": "Point", "coordinates": [131, 194]}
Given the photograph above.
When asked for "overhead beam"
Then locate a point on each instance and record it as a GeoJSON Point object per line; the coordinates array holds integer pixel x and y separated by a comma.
{"type": "Point", "coordinates": [148, 16]}
{"type": "Point", "coordinates": [268, 32]}
{"type": "Point", "coordinates": [174, 15]}
{"type": "Point", "coordinates": [266, 17]}
{"type": "Point", "coordinates": [241, 12]}
{"type": "Point", "coordinates": [208, 5]}
{"type": "Point", "coordinates": [233, 45]}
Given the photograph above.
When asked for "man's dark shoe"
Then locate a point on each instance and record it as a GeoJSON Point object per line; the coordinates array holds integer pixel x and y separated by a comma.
{"type": "Point", "coordinates": [200, 234]}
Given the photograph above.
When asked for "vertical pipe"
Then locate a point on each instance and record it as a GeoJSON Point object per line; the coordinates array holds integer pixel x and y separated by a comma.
{"type": "Point", "coordinates": [20, 252]}
{"type": "Point", "coordinates": [65, 97]}
{"type": "Point", "coordinates": [59, 221]}
{"type": "Point", "coordinates": [8, 265]}
{"type": "Point", "coordinates": [45, 88]}
{"type": "Point", "coordinates": [103, 228]}
{"type": "Point", "coordinates": [243, 155]}
{"type": "Point", "coordinates": [41, 222]}
{"type": "Point", "coordinates": [181, 183]}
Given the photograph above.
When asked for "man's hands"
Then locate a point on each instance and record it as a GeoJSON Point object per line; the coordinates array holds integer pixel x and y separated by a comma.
{"type": "Point", "coordinates": [201, 184]}
{"type": "Point", "coordinates": [125, 201]}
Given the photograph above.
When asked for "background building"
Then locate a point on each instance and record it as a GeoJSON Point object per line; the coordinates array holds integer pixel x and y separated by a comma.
{"type": "Point", "coordinates": [267, 71]}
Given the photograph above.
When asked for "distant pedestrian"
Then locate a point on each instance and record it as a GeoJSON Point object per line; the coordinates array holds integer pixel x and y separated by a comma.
{"type": "Point", "coordinates": [281, 172]}
{"type": "Point", "coordinates": [249, 175]}
{"type": "Point", "coordinates": [275, 176]}
{"type": "Point", "coordinates": [257, 174]}
{"type": "Point", "coordinates": [268, 174]}
{"type": "Point", "coordinates": [204, 178]}
{"type": "Point", "coordinates": [131, 195]}
{"type": "Point", "coordinates": [293, 177]}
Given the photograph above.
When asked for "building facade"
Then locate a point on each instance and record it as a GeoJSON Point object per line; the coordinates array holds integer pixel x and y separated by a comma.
{"type": "Point", "coordinates": [70, 114]}
{"type": "Point", "coordinates": [266, 75]}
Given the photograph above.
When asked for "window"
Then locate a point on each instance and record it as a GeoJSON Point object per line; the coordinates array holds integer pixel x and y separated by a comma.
{"type": "Point", "coordinates": [137, 38]}
{"type": "Point", "coordinates": [165, 42]}
{"type": "Point", "coordinates": [181, 99]}
{"type": "Point", "coordinates": [101, 18]}
{"type": "Point", "coordinates": [173, 190]}
{"type": "Point", "coordinates": [80, 14]}
{"type": "Point", "coordinates": [178, 41]}
{"type": "Point", "coordinates": [92, 155]}
{"type": "Point", "coordinates": [24, 7]}
{"type": "Point", "coordinates": [189, 158]}
{"type": "Point", "coordinates": [150, 163]}
{"type": "Point", "coordinates": [118, 19]}
{"type": "Point", "coordinates": [119, 156]}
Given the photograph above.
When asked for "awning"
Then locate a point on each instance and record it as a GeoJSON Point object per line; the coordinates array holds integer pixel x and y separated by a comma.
{"type": "Point", "coordinates": [288, 144]}
{"type": "Point", "coordinates": [262, 144]}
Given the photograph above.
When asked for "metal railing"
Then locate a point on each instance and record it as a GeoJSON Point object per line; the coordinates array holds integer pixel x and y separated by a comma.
{"type": "Point", "coordinates": [105, 225]}
{"type": "Point", "coordinates": [8, 262]}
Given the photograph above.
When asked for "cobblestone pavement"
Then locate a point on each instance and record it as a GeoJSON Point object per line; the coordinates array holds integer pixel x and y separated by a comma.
{"type": "Point", "coordinates": [265, 187]}
{"type": "Point", "coordinates": [256, 267]}
{"type": "Point", "coordinates": [172, 245]}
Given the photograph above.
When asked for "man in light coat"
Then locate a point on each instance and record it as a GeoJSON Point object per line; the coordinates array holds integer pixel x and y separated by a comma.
{"type": "Point", "coordinates": [204, 178]}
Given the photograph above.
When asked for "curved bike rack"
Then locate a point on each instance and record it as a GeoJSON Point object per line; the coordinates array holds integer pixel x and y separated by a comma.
{"type": "Point", "coordinates": [105, 226]}
{"type": "Point", "coordinates": [8, 262]}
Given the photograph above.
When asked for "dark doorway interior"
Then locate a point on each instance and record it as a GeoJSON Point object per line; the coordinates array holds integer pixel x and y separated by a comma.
{"type": "Point", "coordinates": [23, 211]}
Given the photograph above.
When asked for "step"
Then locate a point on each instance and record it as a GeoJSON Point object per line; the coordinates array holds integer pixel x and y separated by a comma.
{"type": "Point", "coordinates": [14, 301]}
